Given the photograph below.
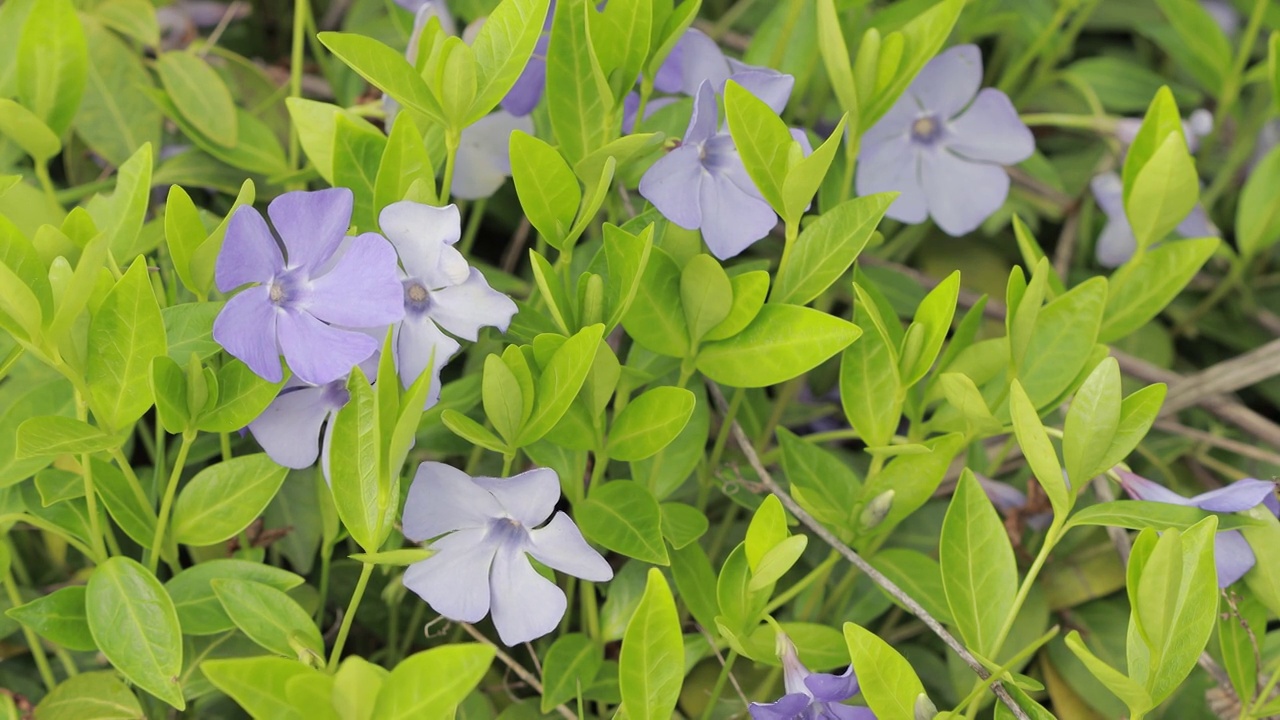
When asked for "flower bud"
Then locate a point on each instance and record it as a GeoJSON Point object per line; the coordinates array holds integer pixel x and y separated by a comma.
{"type": "Point", "coordinates": [876, 510]}
{"type": "Point", "coordinates": [925, 709]}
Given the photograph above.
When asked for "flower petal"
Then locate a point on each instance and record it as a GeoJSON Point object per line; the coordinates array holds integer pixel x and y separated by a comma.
{"type": "Point", "coordinates": [1232, 556]}
{"type": "Point", "coordinates": [788, 707]}
{"type": "Point", "coordinates": [672, 183]}
{"type": "Point", "coordinates": [464, 309]}
{"type": "Point", "coordinates": [1240, 495]}
{"type": "Point", "coordinates": [850, 712]}
{"type": "Point", "coordinates": [525, 605]}
{"type": "Point", "coordinates": [420, 344]}
{"type": "Point", "coordinates": [289, 429]}
{"type": "Point", "coordinates": [894, 166]}
{"type": "Point", "coordinates": [363, 289]}
{"type": "Point", "coordinates": [444, 499]}
{"type": "Point", "coordinates": [528, 497]}
{"type": "Point", "coordinates": [560, 545]}
{"type": "Point", "coordinates": [455, 580]}
{"type": "Point", "coordinates": [1003, 495]}
{"type": "Point", "coordinates": [990, 130]}
{"type": "Point", "coordinates": [311, 224]}
{"type": "Point", "coordinates": [246, 328]}
{"type": "Point", "coordinates": [319, 353]}
{"type": "Point", "coordinates": [250, 254]}
{"type": "Point", "coordinates": [1197, 224]}
{"type": "Point", "coordinates": [770, 86]}
{"type": "Point", "coordinates": [484, 161]}
{"type": "Point", "coordinates": [1116, 244]}
{"type": "Point", "coordinates": [423, 237]}
{"type": "Point", "coordinates": [703, 123]}
{"type": "Point", "coordinates": [527, 90]}
{"type": "Point", "coordinates": [961, 193]}
{"type": "Point", "coordinates": [700, 60]}
{"type": "Point", "coordinates": [1108, 192]}
{"type": "Point", "coordinates": [732, 220]}
{"type": "Point", "coordinates": [1140, 488]}
{"type": "Point", "coordinates": [949, 81]}
{"type": "Point", "coordinates": [830, 688]}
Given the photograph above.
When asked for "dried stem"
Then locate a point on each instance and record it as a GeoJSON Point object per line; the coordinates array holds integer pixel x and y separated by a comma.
{"type": "Point", "coordinates": [516, 668]}
{"type": "Point", "coordinates": [853, 557]}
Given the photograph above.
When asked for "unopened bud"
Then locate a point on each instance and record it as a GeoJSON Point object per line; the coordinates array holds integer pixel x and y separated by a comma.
{"type": "Point", "coordinates": [876, 510]}
{"type": "Point", "coordinates": [925, 709]}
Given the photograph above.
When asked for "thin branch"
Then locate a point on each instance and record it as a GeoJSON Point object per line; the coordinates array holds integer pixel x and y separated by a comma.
{"type": "Point", "coordinates": [1239, 372]}
{"type": "Point", "coordinates": [853, 557]}
{"type": "Point", "coordinates": [516, 667]}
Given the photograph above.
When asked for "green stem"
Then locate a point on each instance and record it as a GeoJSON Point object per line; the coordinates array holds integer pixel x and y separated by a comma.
{"type": "Point", "coordinates": [7, 363]}
{"type": "Point", "coordinates": [90, 493]}
{"type": "Point", "coordinates": [46, 183]}
{"type": "Point", "coordinates": [793, 231]}
{"type": "Point", "coordinates": [412, 631]}
{"type": "Point", "coordinates": [33, 641]}
{"type": "Point", "coordinates": [1101, 125]}
{"type": "Point", "coordinates": [1013, 662]}
{"type": "Point", "coordinates": [366, 570]}
{"type": "Point", "coordinates": [719, 686]}
{"type": "Point", "coordinates": [1231, 84]}
{"type": "Point", "coordinates": [725, 23]}
{"type": "Point", "coordinates": [1266, 692]}
{"type": "Point", "coordinates": [79, 192]}
{"type": "Point", "coordinates": [166, 503]}
{"type": "Point", "coordinates": [301, 8]}
{"type": "Point", "coordinates": [717, 450]}
{"type": "Point", "coordinates": [451, 141]}
{"type": "Point", "coordinates": [326, 561]}
{"type": "Point", "coordinates": [590, 613]}
{"type": "Point", "coordinates": [821, 571]}
{"type": "Point", "coordinates": [507, 460]}
{"type": "Point", "coordinates": [473, 226]}
{"type": "Point", "coordinates": [1220, 291]}
{"type": "Point", "coordinates": [1014, 71]}
{"type": "Point", "coordinates": [224, 442]}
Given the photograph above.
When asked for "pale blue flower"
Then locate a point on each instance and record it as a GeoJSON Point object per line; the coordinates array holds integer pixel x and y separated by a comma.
{"type": "Point", "coordinates": [810, 695]}
{"type": "Point", "coordinates": [483, 531]}
{"type": "Point", "coordinates": [1117, 244]}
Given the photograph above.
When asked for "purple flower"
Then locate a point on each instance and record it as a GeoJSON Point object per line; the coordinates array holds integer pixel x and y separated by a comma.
{"type": "Point", "coordinates": [1196, 126]}
{"type": "Point", "coordinates": [1008, 499]}
{"type": "Point", "coordinates": [438, 289]}
{"type": "Point", "coordinates": [304, 305]}
{"type": "Point", "coordinates": [524, 95]}
{"type": "Point", "coordinates": [484, 154]}
{"type": "Point", "coordinates": [810, 695]}
{"type": "Point", "coordinates": [484, 528]}
{"type": "Point", "coordinates": [1231, 551]}
{"type": "Point", "coordinates": [943, 146]}
{"type": "Point", "coordinates": [1117, 244]}
{"type": "Point", "coordinates": [703, 185]}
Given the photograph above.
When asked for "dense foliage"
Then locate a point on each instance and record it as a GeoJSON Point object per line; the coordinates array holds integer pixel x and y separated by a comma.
{"type": "Point", "coordinates": [819, 359]}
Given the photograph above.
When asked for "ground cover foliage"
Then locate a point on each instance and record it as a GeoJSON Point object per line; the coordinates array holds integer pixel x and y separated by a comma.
{"type": "Point", "coordinates": [820, 359]}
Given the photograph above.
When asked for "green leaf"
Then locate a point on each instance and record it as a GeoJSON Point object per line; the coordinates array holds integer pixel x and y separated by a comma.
{"type": "Point", "coordinates": [1040, 453]}
{"type": "Point", "coordinates": [355, 465]}
{"type": "Point", "coordinates": [357, 153]}
{"type": "Point", "coordinates": [454, 80]}
{"type": "Point", "coordinates": [682, 524]}
{"type": "Point", "coordinates": [183, 232]}
{"type": "Point", "coordinates": [749, 290]}
{"type": "Point", "coordinates": [919, 576]}
{"type": "Point", "coordinates": [121, 214]}
{"type": "Point", "coordinates": [740, 606]}
{"type": "Point", "coordinates": [705, 294]}
{"type": "Point", "coordinates": [58, 617]}
{"type": "Point", "coordinates": [125, 334]}
{"type": "Point", "coordinates": [54, 435]}
{"type": "Point", "coordinates": [569, 668]}
{"type": "Point", "coordinates": [871, 391]}
{"type": "Point", "coordinates": [763, 141]}
{"type": "Point", "coordinates": [1092, 423]}
{"type": "Point", "coordinates": [579, 100]}
{"type": "Point", "coordinates": [433, 682]}
{"type": "Point", "coordinates": [405, 161]}
{"type": "Point", "coordinates": [200, 95]}
{"type": "Point", "coordinates": [656, 319]}
{"type": "Point", "coordinates": [385, 69]}
{"type": "Point", "coordinates": [193, 596]}
{"type": "Point", "coordinates": [921, 39]}
{"type": "Point", "coordinates": [622, 33]}
{"type": "Point", "coordinates": [1264, 578]}
{"type": "Point", "coordinates": [242, 396]}
{"type": "Point", "coordinates": [53, 61]}
{"type": "Point", "coordinates": [1161, 121]}
{"type": "Point", "coordinates": [767, 529]}
{"type": "Point", "coordinates": [259, 684]}
{"type": "Point", "coordinates": [627, 256]}
{"type": "Point", "coordinates": [934, 315]}
{"type": "Point", "coordinates": [805, 176]}
{"type": "Point", "coordinates": [502, 397]}
{"type": "Point", "coordinates": [649, 423]}
{"type": "Point", "coordinates": [1257, 215]}
{"type": "Point", "coordinates": [548, 189]}
{"type": "Point", "coordinates": [502, 49]}
{"type": "Point", "coordinates": [269, 617]}
{"type": "Point", "coordinates": [624, 517]}
{"type": "Point", "coordinates": [1239, 626]}
{"type": "Point", "coordinates": [560, 381]}
{"type": "Point", "coordinates": [650, 667]}
{"type": "Point", "coordinates": [783, 342]}
{"type": "Point", "coordinates": [135, 626]}
{"type": "Point", "coordinates": [695, 582]}
{"type": "Point", "coordinates": [1209, 50]}
{"type": "Point", "coordinates": [913, 478]}
{"type": "Point", "coordinates": [169, 387]}
{"type": "Point", "coordinates": [835, 58]}
{"type": "Point", "coordinates": [223, 499]}
{"type": "Point", "coordinates": [128, 504]}
{"type": "Point", "coordinates": [824, 485]}
{"type": "Point", "coordinates": [100, 695]}
{"type": "Point", "coordinates": [1163, 193]}
{"type": "Point", "coordinates": [889, 685]}
{"type": "Point", "coordinates": [116, 116]}
{"type": "Point", "coordinates": [28, 131]}
{"type": "Point", "coordinates": [777, 561]}
{"type": "Point", "coordinates": [827, 246]}
{"type": "Point", "coordinates": [1139, 292]}
{"type": "Point", "coordinates": [472, 431]}
{"type": "Point", "coordinates": [356, 686]}
{"type": "Point", "coordinates": [1062, 341]}
{"type": "Point", "coordinates": [979, 572]}
{"type": "Point", "coordinates": [1142, 514]}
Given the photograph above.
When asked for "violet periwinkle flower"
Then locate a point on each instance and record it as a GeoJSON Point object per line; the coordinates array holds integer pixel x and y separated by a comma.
{"type": "Point", "coordinates": [438, 289]}
{"type": "Point", "coordinates": [703, 185]}
{"type": "Point", "coordinates": [943, 146]}
{"type": "Point", "coordinates": [1231, 551]}
{"type": "Point", "coordinates": [810, 695]}
{"type": "Point", "coordinates": [1009, 499]}
{"type": "Point", "coordinates": [483, 529]}
{"type": "Point", "coordinates": [1117, 244]}
{"type": "Point", "coordinates": [307, 302]}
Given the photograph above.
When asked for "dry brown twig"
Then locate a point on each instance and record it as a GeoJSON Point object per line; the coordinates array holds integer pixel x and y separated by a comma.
{"type": "Point", "coordinates": [516, 668]}
{"type": "Point", "coordinates": [853, 557]}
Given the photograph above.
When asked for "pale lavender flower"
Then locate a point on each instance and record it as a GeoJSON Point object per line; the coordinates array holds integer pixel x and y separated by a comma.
{"type": "Point", "coordinates": [703, 185]}
{"type": "Point", "coordinates": [525, 94]}
{"type": "Point", "coordinates": [1231, 551]}
{"type": "Point", "coordinates": [1197, 125]}
{"type": "Point", "coordinates": [484, 528]}
{"type": "Point", "coordinates": [484, 154]}
{"type": "Point", "coordinates": [1117, 244]}
{"type": "Point", "coordinates": [304, 305]}
{"type": "Point", "coordinates": [943, 146]}
{"type": "Point", "coordinates": [438, 290]}
{"type": "Point", "coordinates": [810, 695]}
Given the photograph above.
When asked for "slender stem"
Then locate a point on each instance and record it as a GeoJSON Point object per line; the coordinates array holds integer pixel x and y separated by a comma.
{"type": "Point", "coordinates": [1231, 84]}
{"type": "Point", "coordinates": [415, 621]}
{"type": "Point", "coordinates": [326, 561]}
{"type": "Point", "coordinates": [46, 183]}
{"type": "Point", "coordinates": [507, 460]}
{"type": "Point", "coordinates": [473, 226]}
{"type": "Point", "coordinates": [516, 667]}
{"type": "Point", "coordinates": [301, 8]}
{"type": "Point", "coordinates": [7, 363]}
{"type": "Point", "coordinates": [90, 493]}
{"type": "Point", "coordinates": [590, 613]}
{"type": "Point", "coordinates": [33, 641]}
{"type": "Point", "coordinates": [717, 450]}
{"type": "Point", "coordinates": [166, 503]}
{"type": "Point", "coordinates": [451, 141]}
{"type": "Point", "coordinates": [1065, 120]}
{"type": "Point", "coordinates": [718, 688]}
{"type": "Point", "coordinates": [857, 560]}
{"type": "Point", "coordinates": [821, 571]}
{"type": "Point", "coordinates": [224, 441]}
{"type": "Point", "coordinates": [1266, 692]}
{"type": "Point", "coordinates": [1013, 72]}
{"type": "Point", "coordinates": [366, 570]}
{"type": "Point", "coordinates": [792, 232]}
{"type": "Point", "coordinates": [1051, 539]}
{"type": "Point", "coordinates": [1013, 662]}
